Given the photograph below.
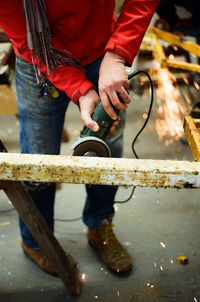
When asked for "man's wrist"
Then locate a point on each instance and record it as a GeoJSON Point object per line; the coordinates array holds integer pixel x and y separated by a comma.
{"type": "Point", "coordinates": [114, 56]}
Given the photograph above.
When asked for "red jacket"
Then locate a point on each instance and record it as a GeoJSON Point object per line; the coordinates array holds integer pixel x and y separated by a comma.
{"type": "Point", "coordinates": [84, 27]}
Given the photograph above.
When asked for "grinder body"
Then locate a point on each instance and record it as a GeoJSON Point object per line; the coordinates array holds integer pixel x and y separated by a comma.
{"type": "Point", "coordinates": [104, 121]}
{"type": "Point", "coordinates": [90, 143]}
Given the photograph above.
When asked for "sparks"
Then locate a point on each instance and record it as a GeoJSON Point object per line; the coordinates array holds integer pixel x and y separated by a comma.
{"type": "Point", "coordinates": [196, 85]}
{"type": "Point", "coordinates": [83, 277]}
{"type": "Point", "coordinates": [171, 57]}
{"type": "Point", "coordinates": [186, 81]}
{"type": "Point", "coordinates": [116, 207]}
{"type": "Point", "coordinates": [195, 299]}
{"type": "Point", "coordinates": [186, 97]}
{"type": "Point", "coordinates": [175, 47]}
{"type": "Point", "coordinates": [75, 132]}
{"type": "Point", "coordinates": [162, 244]}
{"type": "Point", "coordinates": [171, 108]}
{"type": "Point", "coordinates": [161, 268]}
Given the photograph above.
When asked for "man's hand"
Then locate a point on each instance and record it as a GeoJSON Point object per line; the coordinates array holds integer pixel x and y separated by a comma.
{"type": "Point", "coordinates": [113, 82]}
{"type": "Point", "coordinates": [87, 104]}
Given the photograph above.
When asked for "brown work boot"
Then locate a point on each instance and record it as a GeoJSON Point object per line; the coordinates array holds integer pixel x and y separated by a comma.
{"type": "Point", "coordinates": [42, 261]}
{"type": "Point", "coordinates": [39, 258]}
{"type": "Point", "coordinates": [113, 253]}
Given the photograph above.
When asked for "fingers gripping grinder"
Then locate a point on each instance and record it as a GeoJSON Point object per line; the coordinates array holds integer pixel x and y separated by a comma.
{"type": "Point", "coordinates": [90, 143]}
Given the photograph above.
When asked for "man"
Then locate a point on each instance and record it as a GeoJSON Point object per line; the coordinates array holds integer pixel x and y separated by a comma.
{"type": "Point", "coordinates": [96, 48]}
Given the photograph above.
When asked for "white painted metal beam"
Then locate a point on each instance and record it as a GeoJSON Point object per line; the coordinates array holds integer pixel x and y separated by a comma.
{"type": "Point", "coordinates": [103, 171]}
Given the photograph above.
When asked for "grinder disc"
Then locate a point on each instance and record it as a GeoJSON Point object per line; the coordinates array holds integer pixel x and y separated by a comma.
{"type": "Point", "coordinates": [91, 148]}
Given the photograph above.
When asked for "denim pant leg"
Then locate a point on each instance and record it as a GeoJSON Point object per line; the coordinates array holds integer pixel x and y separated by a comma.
{"type": "Point", "coordinates": [100, 198]}
{"type": "Point", "coordinates": [99, 201]}
{"type": "Point", "coordinates": [41, 127]}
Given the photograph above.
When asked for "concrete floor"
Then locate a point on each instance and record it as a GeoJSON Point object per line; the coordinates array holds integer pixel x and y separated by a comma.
{"type": "Point", "coordinates": [156, 226]}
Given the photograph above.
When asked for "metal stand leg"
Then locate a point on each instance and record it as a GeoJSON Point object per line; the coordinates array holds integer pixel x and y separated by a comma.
{"type": "Point", "coordinates": [23, 203]}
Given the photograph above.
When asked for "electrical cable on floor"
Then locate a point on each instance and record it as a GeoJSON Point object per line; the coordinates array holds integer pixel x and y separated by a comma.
{"type": "Point", "coordinates": [130, 196]}
{"type": "Point", "coordinates": [68, 220]}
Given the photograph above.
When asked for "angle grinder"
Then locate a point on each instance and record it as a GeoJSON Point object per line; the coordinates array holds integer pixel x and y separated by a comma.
{"type": "Point", "coordinates": [90, 143]}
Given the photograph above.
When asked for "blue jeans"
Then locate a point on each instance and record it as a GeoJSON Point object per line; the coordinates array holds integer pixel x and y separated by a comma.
{"type": "Point", "coordinates": [41, 127]}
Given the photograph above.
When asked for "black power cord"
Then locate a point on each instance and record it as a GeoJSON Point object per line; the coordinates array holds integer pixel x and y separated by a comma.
{"type": "Point", "coordinates": [68, 220]}
{"type": "Point", "coordinates": [148, 114]}
{"type": "Point", "coordinates": [143, 126]}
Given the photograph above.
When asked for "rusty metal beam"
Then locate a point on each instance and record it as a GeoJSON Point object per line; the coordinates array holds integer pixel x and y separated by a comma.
{"type": "Point", "coordinates": [103, 171]}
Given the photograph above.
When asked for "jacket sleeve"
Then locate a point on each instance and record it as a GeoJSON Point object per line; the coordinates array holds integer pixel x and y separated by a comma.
{"type": "Point", "coordinates": [69, 79]}
{"type": "Point", "coordinates": [130, 28]}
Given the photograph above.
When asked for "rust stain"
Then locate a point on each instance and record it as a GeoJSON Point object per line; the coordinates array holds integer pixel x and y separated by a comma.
{"type": "Point", "coordinates": [145, 173]}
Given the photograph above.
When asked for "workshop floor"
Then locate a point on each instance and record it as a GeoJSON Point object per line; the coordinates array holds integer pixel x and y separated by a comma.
{"type": "Point", "coordinates": [157, 226]}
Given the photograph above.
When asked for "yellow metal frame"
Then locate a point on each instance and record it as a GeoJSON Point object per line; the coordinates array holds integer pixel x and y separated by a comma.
{"type": "Point", "coordinates": [159, 53]}
{"type": "Point", "coordinates": [192, 132]}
